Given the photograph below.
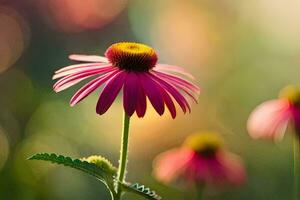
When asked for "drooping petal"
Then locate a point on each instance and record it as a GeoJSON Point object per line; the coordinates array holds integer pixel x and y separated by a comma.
{"type": "Point", "coordinates": [172, 68]}
{"type": "Point", "coordinates": [141, 104]}
{"type": "Point", "coordinates": [269, 120]}
{"type": "Point", "coordinates": [130, 93]}
{"type": "Point", "coordinates": [88, 58]}
{"type": "Point", "coordinates": [72, 79]}
{"type": "Point", "coordinates": [169, 165]}
{"type": "Point", "coordinates": [152, 91]}
{"type": "Point", "coordinates": [178, 80]}
{"type": "Point", "coordinates": [186, 89]}
{"type": "Point", "coordinates": [90, 87]}
{"type": "Point", "coordinates": [180, 99]}
{"type": "Point", "coordinates": [168, 101]}
{"type": "Point", "coordinates": [110, 92]}
{"type": "Point", "coordinates": [221, 169]}
{"type": "Point", "coordinates": [79, 68]}
{"type": "Point", "coordinates": [232, 167]}
{"type": "Point", "coordinates": [188, 92]}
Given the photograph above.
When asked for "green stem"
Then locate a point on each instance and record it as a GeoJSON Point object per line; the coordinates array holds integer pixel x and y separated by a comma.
{"type": "Point", "coordinates": [123, 156]}
{"type": "Point", "coordinates": [297, 165]}
{"type": "Point", "coordinates": [200, 190]}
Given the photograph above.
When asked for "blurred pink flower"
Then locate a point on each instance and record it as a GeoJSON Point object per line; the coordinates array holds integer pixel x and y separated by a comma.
{"type": "Point", "coordinates": [201, 160]}
{"type": "Point", "coordinates": [270, 119]}
{"type": "Point", "coordinates": [133, 67]}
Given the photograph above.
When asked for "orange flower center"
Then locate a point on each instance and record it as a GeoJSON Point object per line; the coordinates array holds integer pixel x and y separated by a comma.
{"type": "Point", "coordinates": [206, 144]}
{"type": "Point", "coordinates": [292, 93]}
{"type": "Point", "coordinates": [131, 56]}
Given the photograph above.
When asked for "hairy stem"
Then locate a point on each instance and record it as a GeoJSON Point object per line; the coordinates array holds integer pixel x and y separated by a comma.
{"type": "Point", "coordinates": [297, 165]}
{"type": "Point", "coordinates": [123, 156]}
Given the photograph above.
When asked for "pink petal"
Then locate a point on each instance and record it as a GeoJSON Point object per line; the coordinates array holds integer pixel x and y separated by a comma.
{"type": "Point", "coordinates": [184, 88]}
{"type": "Point", "coordinates": [172, 68]}
{"type": "Point", "coordinates": [295, 110]}
{"type": "Point", "coordinates": [90, 87]}
{"type": "Point", "coordinates": [169, 103]}
{"type": "Point", "coordinates": [79, 68]}
{"type": "Point", "coordinates": [141, 104]}
{"type": "Point", "coordinates": [221, 169]}
{"type": "Point", "coordinates": [170, 164]}
{"type": "Point", "coordinates": [180, 99]}
{"type": "Point", "coordinates": [72, 79]}
{"type": "Point", "coordinates": [233, 168]}
{"type": "Point", "coordinates": [192, 95]}
{"type": "Point", "coordinates": [110, 92]}
{"type": "Point", "coordinates": [178, 80]}
{"type": "Point", "coordinates": [269, 120]}
{"type": "Point", "coordinates": [88, 58]}
{"type": "Point", "coordinates": [152, 90]}
{"type": "Point", "coordinates": [60, 87]}
{"type": "Point", "coordinates": [130, 93]}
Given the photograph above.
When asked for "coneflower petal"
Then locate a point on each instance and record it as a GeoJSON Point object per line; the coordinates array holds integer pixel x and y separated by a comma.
{"type": "Point", "coordinates": [72, 79]}
{"type": "Point", "coordinates": [180, 99]}
{"type": "Point", "coordinates": [169, 103]}
{"type": "Point", "coordinates": [269, 120]}
{"type": "Point", "coordinates": [170, 165]}
{"type": "Point", "coordinates": [141, 104]}
{"type": "Point", "coordinates": [88, 58]}
{"type": "Point", "coordinates": [110, 92]}
{"type": "Point", "coordinates": [194, 96]}
{"type": "Point", "coordinates": [130, 93]}
{"type": "Point", "coordinates": [90, 87]}
{"type": "Point", "coordinates": [78, 66]}
{"type": "Point", "coordinates": [172, 68]}
{"type": "Point", "coordinates": [152, 91]}
{"type": "Point", "coordinates": [78, 69]}
{"type": "Point", "coordinates": [178, 80]}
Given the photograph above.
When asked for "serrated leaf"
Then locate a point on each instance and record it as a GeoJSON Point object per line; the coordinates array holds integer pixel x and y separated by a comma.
{"type": "Point", "coordinates": [141, 190]}
{"type": "Point", "coordinates": [103, 174]}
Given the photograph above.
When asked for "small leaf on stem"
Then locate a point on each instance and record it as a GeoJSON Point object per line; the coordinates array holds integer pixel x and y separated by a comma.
{"type": "Point", "coordinates": [141, 190]}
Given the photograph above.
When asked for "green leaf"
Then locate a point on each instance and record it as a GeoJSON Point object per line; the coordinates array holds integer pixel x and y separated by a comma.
{"type": "Point", "coordinates": [96, 166]}
{"type": "Point", "coordinates": [141, 190]}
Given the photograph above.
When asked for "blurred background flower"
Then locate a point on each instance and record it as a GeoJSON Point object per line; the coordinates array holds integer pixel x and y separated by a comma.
{"type": "Point", "coordinates": [201, 162]}
{"type": "Point", "coordinates": [271, 118]}
{"type": "Point", "coordinates": [241, 52]}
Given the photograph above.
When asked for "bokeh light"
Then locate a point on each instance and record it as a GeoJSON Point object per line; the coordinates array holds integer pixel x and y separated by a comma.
{"type": "Point", "coordinates": [278, 20]}
{"type": "Point", "coordinates": [14, 37]}
{"type": "Point", "coordinates": [77, 15]}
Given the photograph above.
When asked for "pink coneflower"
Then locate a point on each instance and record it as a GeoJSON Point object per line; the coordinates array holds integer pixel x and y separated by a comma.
{"type": "Point", "coordinates": [270, 119]}
{"type": "Point", "coordinates": [201, 161]}
{"type": "Point", "coordinates": [132, 67]}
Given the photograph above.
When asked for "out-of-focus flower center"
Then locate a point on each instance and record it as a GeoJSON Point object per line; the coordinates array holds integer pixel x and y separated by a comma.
{"type": "Point", "coordinates": [292, 93]}
{"type": "Point", "coordinates": [131, 56]}
{"type": "Point", "coordinates": [206, 144]}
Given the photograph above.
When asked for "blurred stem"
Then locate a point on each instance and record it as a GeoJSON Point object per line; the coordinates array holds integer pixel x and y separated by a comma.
{"type": "Point", "coordinates": [200, 190]}
{"type": "Point", "coordinates": [123, 155]}
{"type": "Point", "coordinates": [297, 165]}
